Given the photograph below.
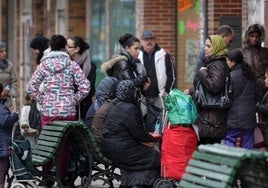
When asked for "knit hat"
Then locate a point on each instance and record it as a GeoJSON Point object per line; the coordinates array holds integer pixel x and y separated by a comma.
{"type": "Point", "coordinates": [40, 43]}
{"type": "Point", "coordinates": [2, 45]}
{"type": "Point", "coordinates": [125, 91]}
{"type": "Point", "coordinates": [219, 47]}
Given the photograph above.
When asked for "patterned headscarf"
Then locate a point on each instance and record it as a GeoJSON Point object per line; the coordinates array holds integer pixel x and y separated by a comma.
{"type": "Point", "coordinates": [125, 91]}
{"type": "Point", "coordinates": [218, 44]}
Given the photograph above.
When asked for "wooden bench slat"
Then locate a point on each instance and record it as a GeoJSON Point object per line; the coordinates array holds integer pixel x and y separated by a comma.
{"type": "Point", "coordinates": [45, 148]}
{"type": "Point", "coordinates": [186, 184]}
{"type": "Point", "coordinates": [39, 160]}
{"type": "Point", "coordinates": [50, 138]}
{"type": "Point", "coordinates": [50, 133]}
{"type": "Point", "coordinates": [209, 174]}
{"type": "Point", "coordinates": [204, 181]}
{"type": "Point", "coordinates": [46, 143]}
{"type": "Point", "coordinates": [212, 166]}
{"type": "Point", "coordinates": [217, 159]}
{"type": "Point", "coordinates": [55, 128]}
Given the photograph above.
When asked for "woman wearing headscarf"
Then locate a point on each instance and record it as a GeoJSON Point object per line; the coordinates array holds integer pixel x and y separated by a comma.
{"type": "Point", "coordinates": [7, 75]}
{"type": "Point", "coordinates": [126, 142]}
{"type": "Point", "coordinates": [212, 123]}
{"type": "Point", "coordinates": [105, 91]}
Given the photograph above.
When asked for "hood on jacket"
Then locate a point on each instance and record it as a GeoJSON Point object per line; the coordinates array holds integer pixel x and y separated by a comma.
{"type": "Point", "coordinates": [56, 61]}
{"type": "Point", "coordinates": [252, 29]}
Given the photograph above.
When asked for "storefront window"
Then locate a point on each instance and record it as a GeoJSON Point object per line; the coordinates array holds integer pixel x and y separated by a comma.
{"type": "Point", "coordinates": [109, 20]}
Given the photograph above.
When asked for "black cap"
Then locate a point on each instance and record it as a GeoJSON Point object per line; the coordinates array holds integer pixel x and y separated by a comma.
{"type": "Point", "coordinates": [147, 34]}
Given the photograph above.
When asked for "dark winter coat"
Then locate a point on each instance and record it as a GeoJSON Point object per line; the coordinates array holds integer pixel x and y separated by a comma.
{"type": "Point", "coordinates": [122, 136]}
{"type": "Point", "coordinates": [262, 108]}
{"type": "Point", "coordinates": [242, 113]}
{"type": "Point", "coordinates": [127, 68]}
{"type": "Point", "coordinates": [256, 56]}
{"type": "Point", "coordinates": [212, 123]}
{"type": "Point", "coordinates": [7, 120]}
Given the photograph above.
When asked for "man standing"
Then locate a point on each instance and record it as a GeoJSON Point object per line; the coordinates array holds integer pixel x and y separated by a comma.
{"type": "Point", "coordinates": [159, 69]}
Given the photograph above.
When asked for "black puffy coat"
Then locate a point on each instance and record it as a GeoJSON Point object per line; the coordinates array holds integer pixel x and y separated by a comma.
{"type": "Point", "coordinates": [122, 136]}
{"type": "Point", "coordinates": [127, 69]}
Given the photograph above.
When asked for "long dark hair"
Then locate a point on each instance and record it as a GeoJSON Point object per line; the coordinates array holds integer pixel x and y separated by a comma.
{"type": "Point", "coordinates": [237, 56]}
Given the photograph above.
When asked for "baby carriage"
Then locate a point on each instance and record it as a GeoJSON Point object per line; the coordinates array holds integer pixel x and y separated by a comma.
{"type": "Point", "coordinates": [179, 138]}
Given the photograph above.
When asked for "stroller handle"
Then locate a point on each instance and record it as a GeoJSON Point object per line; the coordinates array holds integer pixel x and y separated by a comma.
{"type": "Point", "coordinates": [17, 122]}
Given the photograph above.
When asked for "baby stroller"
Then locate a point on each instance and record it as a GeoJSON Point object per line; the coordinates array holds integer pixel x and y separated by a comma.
{"type": "Point", "coordinates": [179, 138]}
{"type": "Point", "coordinates": [20, 159]}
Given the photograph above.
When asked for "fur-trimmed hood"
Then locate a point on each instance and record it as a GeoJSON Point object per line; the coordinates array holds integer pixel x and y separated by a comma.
{"type": "Point", "coordinates": [109, 64]}
{"type": "Point", "coordinates": [254, 28]}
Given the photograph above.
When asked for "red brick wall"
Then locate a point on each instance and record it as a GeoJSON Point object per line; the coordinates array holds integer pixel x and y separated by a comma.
{"type": "Point", "coordinates": [77, 18]}
{"type": "Point", "coordinates": [219, 8]}
{"type": "Point", "coordinates": [160, 17]}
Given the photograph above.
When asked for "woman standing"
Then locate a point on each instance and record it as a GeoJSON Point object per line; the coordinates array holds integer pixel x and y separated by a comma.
{"type": "Point", "coordinates": [241, 115]}
{"type": "Point", "coordinates": [78, 49]}
{"type": "Point", "coordinates": [65, 86]}
{"type": "Point", "coordinates": [211, 123]}
{"type": "Point", "coordinates": [128, 66]}
{"type": "Point", "coordinates": [60, 76]}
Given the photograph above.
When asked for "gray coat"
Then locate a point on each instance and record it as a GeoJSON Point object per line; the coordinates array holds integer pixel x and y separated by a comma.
{"type": "Point", "coordinates": [8, 77]}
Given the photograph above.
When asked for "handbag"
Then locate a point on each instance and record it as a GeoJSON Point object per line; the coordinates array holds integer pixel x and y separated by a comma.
{"type": "Point", "coordinates": [209, 100]}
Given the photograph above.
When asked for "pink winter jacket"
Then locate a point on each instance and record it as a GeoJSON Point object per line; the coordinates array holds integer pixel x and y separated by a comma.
{"type": "Point", "coordinates": [64, 85]}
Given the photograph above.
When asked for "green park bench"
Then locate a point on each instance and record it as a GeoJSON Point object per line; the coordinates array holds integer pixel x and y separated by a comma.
{"type": "Point", "coordinates": [103, 168]}
{"type": "Point", "coordinates": [220, 166]}
{"type": "Point", "coordinates": [48, 148]}
{"type": "Point", "coordinates": [53, 136]}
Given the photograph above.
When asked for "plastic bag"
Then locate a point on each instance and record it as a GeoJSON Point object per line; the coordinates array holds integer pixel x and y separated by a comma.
{"type": "Point", "coordinates": [181, 108]}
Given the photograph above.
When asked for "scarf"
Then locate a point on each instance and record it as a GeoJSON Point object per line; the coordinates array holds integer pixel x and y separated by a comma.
{"type": "Point", "coordinates": [84, 61]}
{"type": "Point", "coordinates": [3, 64]}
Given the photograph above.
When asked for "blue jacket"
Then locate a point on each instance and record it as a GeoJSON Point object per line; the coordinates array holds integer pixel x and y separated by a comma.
{"type": "Point", "coordinates": [7, 120]}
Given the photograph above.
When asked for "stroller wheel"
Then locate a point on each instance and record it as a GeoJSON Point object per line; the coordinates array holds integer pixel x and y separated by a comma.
{"type": "Point", "coordinates": [162, 183]}
{"type": "Point", "coordinates": [17, 185]}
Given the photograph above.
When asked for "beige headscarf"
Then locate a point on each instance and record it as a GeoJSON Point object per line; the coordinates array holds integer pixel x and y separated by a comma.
{"type": "Point", "coordinates": [219, 47]}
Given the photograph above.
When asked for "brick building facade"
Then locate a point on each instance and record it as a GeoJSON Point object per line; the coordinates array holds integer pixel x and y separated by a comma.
{"type": "Point", "coordinates": [180, 25]}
